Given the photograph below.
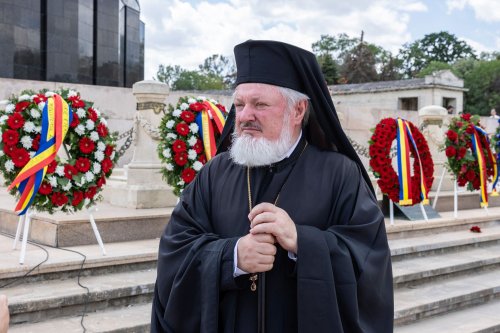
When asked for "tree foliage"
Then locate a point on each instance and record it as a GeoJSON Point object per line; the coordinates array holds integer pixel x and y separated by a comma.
{"type": "Point", "coordinates": [483, 82]}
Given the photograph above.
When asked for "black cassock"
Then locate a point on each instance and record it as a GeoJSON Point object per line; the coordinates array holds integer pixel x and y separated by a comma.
{"type": "Point", "coordinates": [341, 281]}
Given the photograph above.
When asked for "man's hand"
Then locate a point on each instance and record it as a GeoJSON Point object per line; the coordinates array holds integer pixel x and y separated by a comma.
{"type": "Point", "coordinates": [4, 314]}
{"type": "Point", "coordinates": [256, 253]}
{"type": "Point", "coordinates": [266, 218]}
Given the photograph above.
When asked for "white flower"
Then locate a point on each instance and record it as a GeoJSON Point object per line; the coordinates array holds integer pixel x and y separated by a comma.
{"type": "Point", "coordinates": [166, 153]}
{"type": "Point", "coordinates": [101, 146]}
{"type": "Point", "coordinates": [3, 119]}
{"type": "Point", "coordinates": [89, 125]}
{"type": "Point", "coordinates": [181, 183]}
{"type": "Point", "coordinates": [41, 105]}
{"type": "Point", "coordinates": [38, 129]}
{"type": "Point", "coordinates": [81, 183]}
{"type": "Point", "coordinates": [86, 202]}
{"type": "Point", "coordinates": [172, 136]}
{"type": "Point", "coordinates": [81, 113]}
{"type": "Point", "coordinates": [194, 128]}
{"type": "Point", "coordinates": [80, 130]}
{"type": "Point", "coordinates": [96, 168]}
{"type": "Point", "coordinates": [89, 176]}
{"type": "Point", "coordinates": [197, 166]}
{"type": "Point", "coordinates": [201, 98]}
{"type": "Point", "coordinates": [52, 180]}
{"type": "Point", "coordinates": [49, 94]}
{"type": "Point", "coordinates": [176, 113]}
{"type": "Point", "coordinates": [170, 124]}
{"type": "Point", "coordinates": [104, 121]}
{"type": "Point", "coordinates": [94, 136]}
{"type": "Point", "coordinates": [24, 98]}
{"type": "Point", "coordinates": [29, 127]}
{"type": "Point", "coordinates": [192, 140]}
{"type": "Point", "coordinates": [99, 155]}
{"type": "Point", "coordinates": [67, 187]}
{"type": "Point", "coordinates": [60, 170]}
{"type": "Point", "coordinates": [112, 157]}
{"type": "Point", "coordinates": [9, 165]}
{"type": "Point", "coordinates": [192, 155]}
{"type": "Point", "coordinates": [184, 106]}
{"type": "Point", "coordinates": [1, 153]}
{"type": "Point", "coordinates": [32, 154]}
{"type": "Point", "coordinates": [9, 108]}
{"type": "Point", "coordinates": [97, 112]}
{"type": "Point", "coordinates": [169, 167]}
{"type": "Point", "coordinates": [35, 113]}
{"type": "Point", "coordinates": [1, 135]}
{"type": "Point", "coordinates": [72, 93]}
{"type": "Point", "coordinates": [26, 141]}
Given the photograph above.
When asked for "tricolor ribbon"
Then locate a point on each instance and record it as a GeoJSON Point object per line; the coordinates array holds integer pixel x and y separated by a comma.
{"type": "Point", "coordinates": [481, 160]}
{"type": "Point", "coordinates": [206, 119]}
{"type": "Point", "coordinates": [403, 152]}
{"type": "Point", "coordinates": [424, 191]}
{"type": "Point", "coordinates": [56, 117]}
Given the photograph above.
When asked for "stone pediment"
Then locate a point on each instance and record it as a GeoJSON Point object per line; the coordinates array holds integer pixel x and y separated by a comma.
{"type": "Point", "coordinates": [445, 78]}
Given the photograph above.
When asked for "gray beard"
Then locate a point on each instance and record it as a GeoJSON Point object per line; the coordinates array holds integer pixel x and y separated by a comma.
{"type": "Point", "coordinates": [249, 151]}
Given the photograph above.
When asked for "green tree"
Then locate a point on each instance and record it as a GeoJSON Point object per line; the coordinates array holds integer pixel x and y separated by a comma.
{"type": "Point", "coordinates": [330, 68]}
{"type": "Point", "coordinates": [359, 65]}
{"type": "Point", "coordinates": [168, 74]}
{"type": "Point", "coordinates": [220, 66]}
{"type": "Point", "coordinates": [483, 82]}
{"type": "Point", "coordinates": [194, 80]}
{"type": "Point", "coordinates": [435, 66]}
{"type": "Point", "coordinates": [441, 46]}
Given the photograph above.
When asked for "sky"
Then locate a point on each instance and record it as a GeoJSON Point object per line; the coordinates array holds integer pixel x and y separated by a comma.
{"type": "Point", "coordinates": [185, 32]}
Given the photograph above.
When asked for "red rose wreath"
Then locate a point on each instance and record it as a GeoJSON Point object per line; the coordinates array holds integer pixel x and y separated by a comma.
{"type": "Point", "coordinates": [381, 160]}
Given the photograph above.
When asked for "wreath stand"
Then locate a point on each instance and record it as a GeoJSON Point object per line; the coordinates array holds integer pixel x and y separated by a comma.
{"type": "Point", "coordinates": [25, 221]}
{"type": "Point", "coordinates": [391, 212]}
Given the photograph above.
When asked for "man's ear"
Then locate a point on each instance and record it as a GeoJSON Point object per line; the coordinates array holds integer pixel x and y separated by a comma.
{"type": "Point", "coordinates": [299, 111]}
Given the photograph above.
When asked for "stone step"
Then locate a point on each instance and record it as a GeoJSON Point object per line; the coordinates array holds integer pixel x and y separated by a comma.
{"type": "Point", "coordinates": [435, 268]}
{"type": "Point", "coordinates": [132, 319]}
{"type": "Point", "coordinates": [437, 243]}
{"type": "Point", "coordinates": [55, 298]}
{"type": "Point", "coordinates": [483, 318]}
{"type": "Point", "coordinates": [413, 303]}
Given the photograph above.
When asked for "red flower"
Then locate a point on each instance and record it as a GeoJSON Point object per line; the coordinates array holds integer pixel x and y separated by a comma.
{"type": "Point", "coordinates": [182, 129]}
{"type": "Point", "coordinates": [86, 145]}
{"type": "Point", "coordinates": [187, 116]}
{"type": "Point", "coordinates": [470, 175]}
{"type": "Point", "coordinates": [198, 146]}
{"type": "Point", "coordinates": [77, 198]}
{"type": "Point", "coordinates": [36, 142]}
{"type": "Point", "coordinates": [45, 188]}
{"type": "Point", "coordinates": [221, 107]}
{"type": "Point", "coordinates": [59, 199]}
{"type": "Point", "coordinates": [15, 121]}
{"type": "Point", "coordinates": [75, 122]}
{"type": "Point", "coordinates": [466, 116]}
{"type": "Point", "coordinates": [461, 152]}
{"type": "Point", "coordinates": [21, 106]}
{"type": "Point", "coordinates": [188, 175]}
{"type": "Point", "coordinates": [202, 159]}
{"type": "Point", "coordinates": [10, 137]}
{"type": "Point", "coordinates": [52, 167]}
{"type": "Point", "coordinates": [106, 165]}
{"type": "Point", "coordinates": [452, 135]}
{"type": "Point", "coordinates": [459, 124]}
{"type": "Point", "coordinates": [109, 150]}
{"type": "Point", "coordinates": [91, 192]}
{"type": "Point", "coordinates": [82, 164]}
{"type": "Point", "coordinates": [197, 107]}
{"type": "Point", "coordinates": [178, 146]}
{"type": "Point", "coordinates": [92, 114]}
{"type": "Point", "coordinates": [101, 181]}
{"type": "Point", "coordinates": [470, 129]}
{"type": "Point", "coordinates": [102, 130]}
{"type": "Point", "coordinates": [76, 102]}
{"type": "Point", "coordinates": [20, 157]}
{"type": "Point", "coordinates": [39, 98]}
{"type": "Point", "coordinates": [181, 158]}
{"type": "Point", "coordinates": [475, 228]}
{"type": "Point", "coordinates": [451, 151]}
{"type": "Point", "coordinates": [70, 171]}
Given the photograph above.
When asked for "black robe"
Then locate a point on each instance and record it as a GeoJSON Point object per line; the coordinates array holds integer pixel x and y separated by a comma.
{"type": "Point", "coordinates": [341, 281]}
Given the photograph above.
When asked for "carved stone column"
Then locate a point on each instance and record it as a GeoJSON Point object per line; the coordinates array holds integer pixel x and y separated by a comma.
{"type": "Point", "coordinates": [144, 186]}
{"type": "Point", "coordinates": [433, 120]}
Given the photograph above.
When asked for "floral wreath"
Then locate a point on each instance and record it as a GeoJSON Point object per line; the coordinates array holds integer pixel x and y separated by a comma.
{"type": "Point", "coordinates": [381, 160]}
{"type": "Point", "coordinates": [73, 179]}
{"type": "Point", "coordinates": [458, 150]}
{"type": "Point", "coordinates": [181, 148]}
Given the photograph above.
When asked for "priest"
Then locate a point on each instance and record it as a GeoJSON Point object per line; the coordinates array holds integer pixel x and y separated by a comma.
{"type": "Point", "coordinates": [281, 231]}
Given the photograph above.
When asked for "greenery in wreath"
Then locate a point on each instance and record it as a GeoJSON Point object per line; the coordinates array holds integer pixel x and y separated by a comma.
{"type": "Point", "coordinates": [380, 153]}
{"type": "Point", "coordinates": [75, 178]}
{"type": "Point", "coordinates": [459, 150]}
{"type": "Point", "coordinates": [182, 149]}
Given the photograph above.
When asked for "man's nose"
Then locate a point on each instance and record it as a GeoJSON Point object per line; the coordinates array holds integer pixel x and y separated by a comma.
{"type": "Point", "coordinates": [246, 114]}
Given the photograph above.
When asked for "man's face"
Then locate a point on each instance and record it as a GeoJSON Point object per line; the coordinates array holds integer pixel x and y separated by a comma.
{"type": "Point", "coordinates": [260, 110]}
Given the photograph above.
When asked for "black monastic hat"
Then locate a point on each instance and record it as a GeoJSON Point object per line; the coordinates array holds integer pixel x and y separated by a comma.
{"type": "Point", "coordinates": [285, 65]}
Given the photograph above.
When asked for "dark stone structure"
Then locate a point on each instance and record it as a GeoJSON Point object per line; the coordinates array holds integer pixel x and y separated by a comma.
{"type": "Point", "coordinates": [97, 42]}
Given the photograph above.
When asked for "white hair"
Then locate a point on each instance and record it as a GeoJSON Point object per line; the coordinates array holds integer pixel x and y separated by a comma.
{"type": "Point", "coordinates": [293, 97]}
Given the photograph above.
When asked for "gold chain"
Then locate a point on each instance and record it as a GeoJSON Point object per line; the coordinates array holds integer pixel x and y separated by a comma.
{"type": "Point", "coordinates": [254, 277]}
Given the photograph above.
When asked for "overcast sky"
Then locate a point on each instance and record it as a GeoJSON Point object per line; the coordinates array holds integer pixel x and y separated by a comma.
{"type": "Point", "coordinates": [185, 32]}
